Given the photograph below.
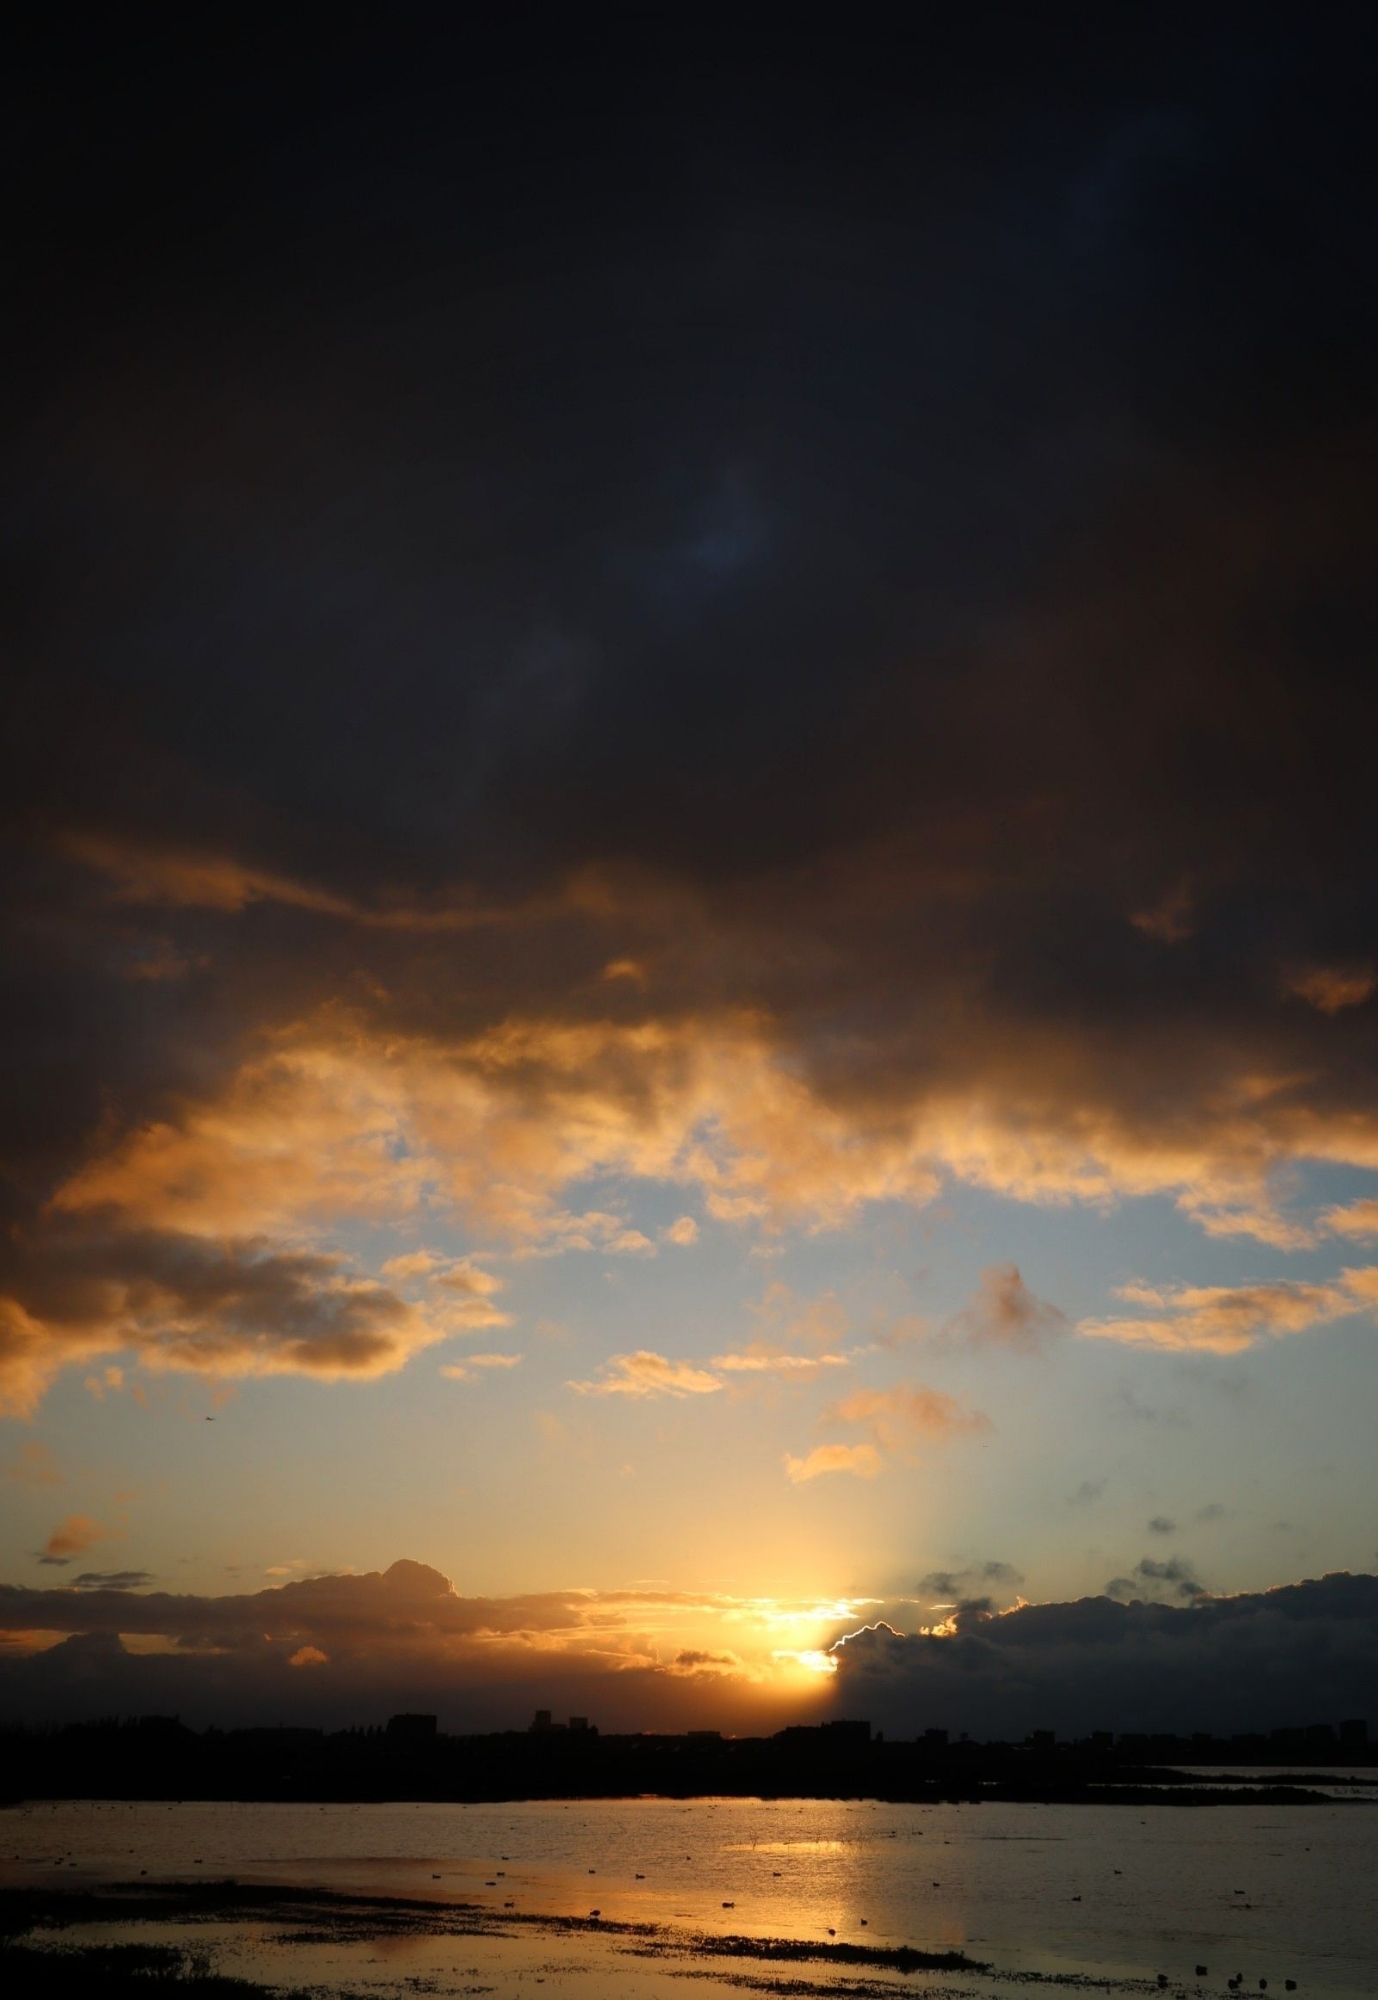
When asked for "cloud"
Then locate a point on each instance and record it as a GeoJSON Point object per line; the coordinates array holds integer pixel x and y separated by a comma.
{"type": "Point", "coordinates": [863, 1461]}
{"type": "Point", "coordinates": [1255, 1661]}
{"type": "Point", "coordinates": [898, 1416]}
{"type": "Point", "coordinates": [1357, 1218]}
{"type": "Point", "coordinates": [893, 1420]}
{"type": "Point", "coordinates": [464, 1371]}
{"type": "Point", "coordinates": [869, 889]}
{"type": "Point", "coordinates": [1171, 919]}
{"type": "Point", "coordinates": [1228, 1319]}
{"type": "Point", "coordinates": [114, 1579]}
{"type": "Point", "coordinates": [962, 1583]}
{"type": "Point", "coordinates": [469, 1294]}
{"type": "Point", "coordinates": [335, 1123]}
{"type": "Point", "coordinates": [762, 1359]}
{"type": "Point", "coordinates": [791, 1323]}
{"type": "Point", "coordinates": [72, 1537]}
{"type": "Point", "coordinates": [1004, 1313]}
{"type": "Point", "coordinates": [645, 1374]}
{"type": "Point", "coordinates": [36, 1465]}
{"type": "Point", "coordinates": [683, 1232]}
{"type": "Point", "coordinates": [1161, 1525]}
{"type": "Point", "coordinates": [190, 1303]}
{"type": "Point", "coordinates": [414, 1264]}
{"type": "Point", "coordinates": [1174, 1577]}
{"type": "Point", "coordinates": [1333, 988]}
{"type": "Point", "coordinates": [210, 881]}
{"type": "Point", "coordinates": [639, 1657]}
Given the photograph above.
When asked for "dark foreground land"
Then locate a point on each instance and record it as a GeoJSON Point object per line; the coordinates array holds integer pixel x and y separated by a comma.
{"type": "Point", "coordinates": [158, 1758]}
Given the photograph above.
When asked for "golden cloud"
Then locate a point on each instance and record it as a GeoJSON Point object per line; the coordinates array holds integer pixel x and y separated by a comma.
{"type": "Point", "coordinates": [1227, 1319]}
{"type": "Point", "coordinates": [334, 1120]}
{"type": "Point", "coordinates": [646, 1374]}
{"type": "Point", "coordinates": [761, 1359]}
{"type": "Point", "coordinates": [407, 1108]}
{"type": "Point", "coordinates": [464, 1371]}
{"type": "Point", "coordinates": [861, 1460]}
{"type": "Point", "coordinates": [1357, 1219]}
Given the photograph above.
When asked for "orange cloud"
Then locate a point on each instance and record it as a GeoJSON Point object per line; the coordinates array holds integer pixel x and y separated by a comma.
{"type": "Point", "coordinates": [469, 1293]}
{"type": "Point", "coordinates": [414, 1264]}
{"type": "Point", "coordinates": [1358, 1219]}
{"type": "Point", "coordinates": [328, 1115]}
{"type": "Point", "coordinates": [861, 1460]}
{"type": "Point", "coordinates": [683, 1232]}
{"type": "Point", "coordinates": [760, 1359]}
{"type": "Point", "coordinates": [72, 1537]}
{"type": "Point", "coordinates": [1005, 1313]}
{"type": "Point", "coordinates": [897, 1416]}
{"type": "Point", "coordinates": [1332, 988]}
{"type": "Point", "coordinates": [647, 1374]}
{"type": "Point", "coordinates": [793, 1322]}
{"type": "Point", "coordinates": [463, 1371]}
{"type": "Point", "coordinates": [180, 878]}
{"type": "Point", "coordinates": [1227, 1319]}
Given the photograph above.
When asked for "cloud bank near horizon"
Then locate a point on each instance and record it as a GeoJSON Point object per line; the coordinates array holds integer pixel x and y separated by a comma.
{"type": "Point", "coordinates": [1301, 1653]}
{"type": "Point", "coordinates": [343, 1649]}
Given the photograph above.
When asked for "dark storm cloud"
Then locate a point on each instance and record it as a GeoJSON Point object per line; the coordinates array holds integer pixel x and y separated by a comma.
{"type": "Point", "coordinates": [866, 542]}
{"type": "Point", "coordinates": [1303, 1653]}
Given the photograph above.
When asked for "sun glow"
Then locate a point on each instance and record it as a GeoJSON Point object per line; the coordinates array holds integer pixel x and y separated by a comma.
{"type": "Point", "coordinates": [810, 1659]}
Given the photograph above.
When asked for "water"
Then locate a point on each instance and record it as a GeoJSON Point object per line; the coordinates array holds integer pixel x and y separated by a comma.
{"type": "Point", "coordinates": [1113, 1892]}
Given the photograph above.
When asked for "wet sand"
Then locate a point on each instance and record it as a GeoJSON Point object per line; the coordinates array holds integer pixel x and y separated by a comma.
{"type": "Point", "coordinates": [294, 1941]}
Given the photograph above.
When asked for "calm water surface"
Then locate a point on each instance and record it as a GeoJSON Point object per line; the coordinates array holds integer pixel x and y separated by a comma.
{"type": "Point", "coordinates": [1115, 1892]}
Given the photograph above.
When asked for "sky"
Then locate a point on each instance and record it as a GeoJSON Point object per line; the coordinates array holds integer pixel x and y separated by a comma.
{"type": "Point", "coordinates": [691, 975]}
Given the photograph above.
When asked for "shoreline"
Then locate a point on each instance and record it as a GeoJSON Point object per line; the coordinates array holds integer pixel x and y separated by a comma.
{"type": "Point", "coordinates": [1167, 1794]}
